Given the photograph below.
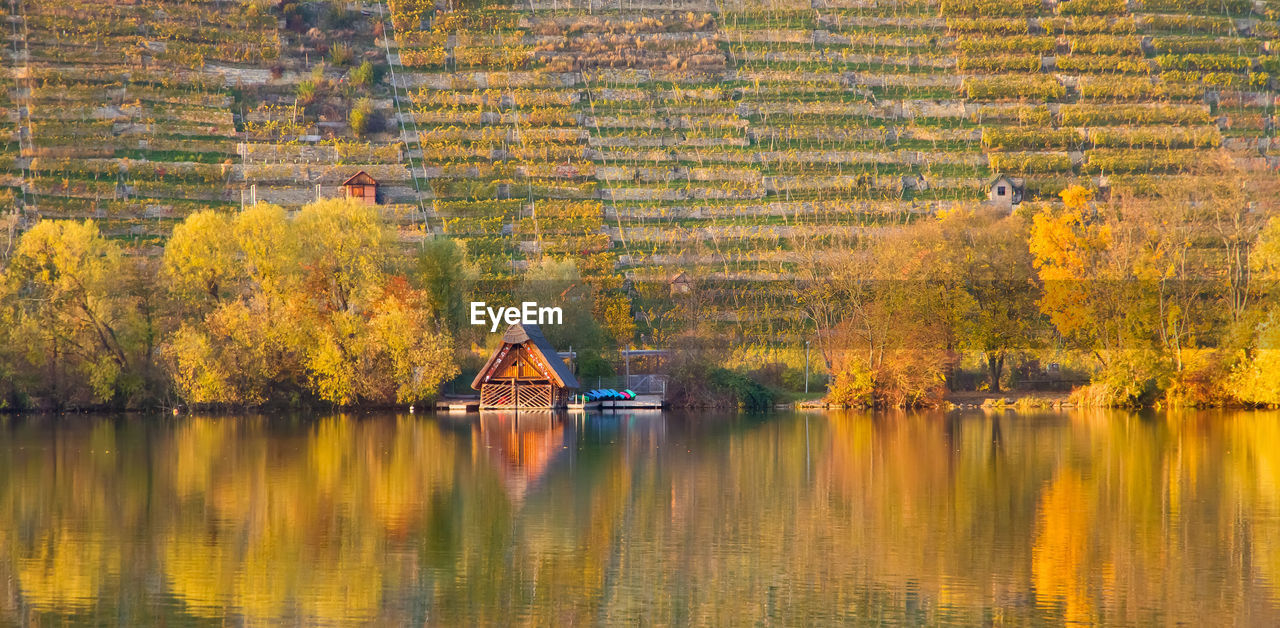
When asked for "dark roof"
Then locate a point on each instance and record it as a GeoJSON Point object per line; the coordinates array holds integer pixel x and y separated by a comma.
{"type": "Point", "coordinates": [1014, 181]}
{"type": "Point", "coordinates": [531, 335]}
{"type": "Point", "coordinates": [364, 177]}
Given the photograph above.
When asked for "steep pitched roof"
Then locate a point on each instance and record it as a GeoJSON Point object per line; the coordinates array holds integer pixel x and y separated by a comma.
{"type": "Point", "coordinates": [1016, 182]}
{"type": "Point", "coordinates": [531, 337]}
{"type": "Point", "coordinates": [360, 178]}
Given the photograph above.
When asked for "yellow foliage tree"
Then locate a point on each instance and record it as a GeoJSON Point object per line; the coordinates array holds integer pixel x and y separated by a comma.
{"type": "Point", "coordinates": [199, 258]}
{"type": "Point", "coordinates": [1068, 247]}
{"type": "Point", "coordinates": [316, 307]}
{"type": "Point", "coordinates": [1256, 379]}
{"type": "Point", "coordinates": [74, 323]}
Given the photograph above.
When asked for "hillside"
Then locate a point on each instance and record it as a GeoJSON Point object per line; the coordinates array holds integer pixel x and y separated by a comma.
{"type": "Point", "coordinates": [637, 137]}
{"type": "Point", "coordinates": [138, 113]}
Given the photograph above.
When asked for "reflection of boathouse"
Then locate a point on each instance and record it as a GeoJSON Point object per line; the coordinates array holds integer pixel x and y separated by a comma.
{"type": "Point", "coordinates": [520, 445]}
{"type": "Point", "coordinates": [524, 373]}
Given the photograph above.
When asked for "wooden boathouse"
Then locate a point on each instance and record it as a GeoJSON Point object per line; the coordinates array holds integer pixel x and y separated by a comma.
{"type": "Point", "coordinates": [525, 373]}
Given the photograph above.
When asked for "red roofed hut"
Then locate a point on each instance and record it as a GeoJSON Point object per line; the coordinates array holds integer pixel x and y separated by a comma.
{"type": "Point", "coordinates": [526, 372]}
{"type": "Point", "coordinates": [362, 187]}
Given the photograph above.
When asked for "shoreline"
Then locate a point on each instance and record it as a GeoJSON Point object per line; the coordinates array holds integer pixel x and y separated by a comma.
{"type": "Point", "coordinates": [967, 399]}
{"type": "Point", "coordinates": [1008, 399]}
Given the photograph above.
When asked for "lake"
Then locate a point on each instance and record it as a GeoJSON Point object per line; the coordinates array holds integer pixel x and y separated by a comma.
{"type": "Point", "coordinates": [938, 518]}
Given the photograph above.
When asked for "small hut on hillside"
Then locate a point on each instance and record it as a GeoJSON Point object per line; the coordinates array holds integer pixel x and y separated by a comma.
{"type": "Point", "coordinates": [680, 284]}
{"type": "Point", "coordinates": [362, 187]}
{"type": "Point", "coordinates": [1005, 191]}
{"type": "Point", "coordinates": [524, 373]}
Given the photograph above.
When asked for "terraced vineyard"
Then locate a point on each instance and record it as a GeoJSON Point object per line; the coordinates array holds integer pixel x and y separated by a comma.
{"type": "Point", "coordinates": [715, 136]}
{"type": "Point", "coordinates": [127, 123]}
{"type": "Point", "coordinates": [640, 138]}
{"type": "Point", "coordinates": [139, 113]}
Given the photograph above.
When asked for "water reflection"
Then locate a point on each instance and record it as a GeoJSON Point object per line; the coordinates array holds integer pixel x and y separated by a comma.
{"type": "Point", "coordinates": [1089, 517]}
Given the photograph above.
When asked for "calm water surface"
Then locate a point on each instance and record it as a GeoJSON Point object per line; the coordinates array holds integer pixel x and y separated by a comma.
{"type": "Point", "coordinates": [793, 519]}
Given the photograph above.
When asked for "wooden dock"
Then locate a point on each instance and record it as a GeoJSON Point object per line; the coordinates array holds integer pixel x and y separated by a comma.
{"type": "Point", "coordinates": [652, 402]}
{"type": "Point", "coordinates": [458, 405]}
{"type": "Point", "coordinates": [641, 402]}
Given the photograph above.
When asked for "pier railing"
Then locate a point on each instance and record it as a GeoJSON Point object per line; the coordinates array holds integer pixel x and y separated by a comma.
{"type": "Point", "coordinates": [651, 384]}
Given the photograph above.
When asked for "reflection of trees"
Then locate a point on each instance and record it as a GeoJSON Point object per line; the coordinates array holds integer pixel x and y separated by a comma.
{"type": "Point", "coordinates": [64, 569]}
{"type": "Point", "coordinates": [314, 518]}
{"type": "Point", "coordinates": [310, 523]}
{"type": "Point", "coordinates": [1254, 476]}
{"type": "Point", "coordinates": [1060, 557]}
{"type": "Point", "coordinates": [915, 518]}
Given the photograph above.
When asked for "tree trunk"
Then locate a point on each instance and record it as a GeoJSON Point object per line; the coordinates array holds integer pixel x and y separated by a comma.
{"type": "Point", "coordinates": [995, 366]}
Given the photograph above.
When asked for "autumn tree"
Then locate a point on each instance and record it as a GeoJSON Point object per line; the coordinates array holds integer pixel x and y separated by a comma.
{"type": "Point", "coordinates": [70, 301]}
{"type": "Point", "coordinates": [1139, 284]}
{"type": "Point", "coordinates": [1087, 266]}
{"type": "Point", "coordinates": [314, 306]}
{"type": "Point", "coordinates": [981, 257]}
{"type": "Point", "coordinates": [1256, 378]}
{"type": "Point", "coordinates": [199, 257]}
{"type": "Point", "coordinates": [9, 221]}
{"type": "Point", "coordinates": [1235, 204]}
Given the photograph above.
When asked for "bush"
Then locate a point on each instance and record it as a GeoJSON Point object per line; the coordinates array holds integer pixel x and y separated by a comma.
{"type": "Point", "coordinates": [364, 76]}
{"type": "Point", "coordinates": [432, 57]}
{"type": "Point", "coordinates": [1014, 88]}
{"type": "Point", "coordinates": [1156, 137]}
{"type": "Point", "coordinates": [1104, 64]}
{"type": "Point", "coordinates": [1132, 380]}
{"type": "Point", "coordinates": [337, 18]}
{"type": "Point", "coordinates": [1190, 23]}
{"type": "Point", "coordinates": [340, 54]}
{"type": "Point", "coordinates": [307, 91]}
{"type": "Point", "coordinates": [990, 8]}
{"type": "Point", "coordinates": [1133, 160]}
{"type": "Point", "coordinates": [1009, 138]}
{"type": "Point", "coordinates": [1022, 44]}
{"type": "Point", "coordinates": [987, 26]}
{"type": "Point", "coordinates": [1256, 380]}
{"type": "Point", "coordinates": [591, 364]}
{"type": "Point", "coordinates": [1106, 45]}
{"type": "Point", "coordinates": [749, 394]}
{"type": "Point", "coordinates": [1206, 44]}
{"type": "Point", "coordinates": [1106, 88]}
{"type": "Point", "coordinates": [364, 119]}
{"type": "Point", "coordinates": [1203, 381]}
{"type": "Point", "coordinates": [911, 379]}
{"type": "Point", "coordinates": [1239, 8]}
{"type": "Point", "coordinates": [698, 384]}
{"type": "Point", "coordinates": [1097, 115]}
{"type": "Point", "coordinates": [1030, 162]}
{"type": "Point", "coordinates": [1092, 7]}
{"type": "Point", "coordinates": [1022, 115]}
{"type": "Point", "coordinates": [1088, 24]}
{"type": "Point", "coordinates": [999, 63]}
{"type": "Point", "coordinates": [854, 387]}
{"type": "Point", "coordinates": [1204, 62]}
{"type": "Point", "coordinates": [1217, 79]}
